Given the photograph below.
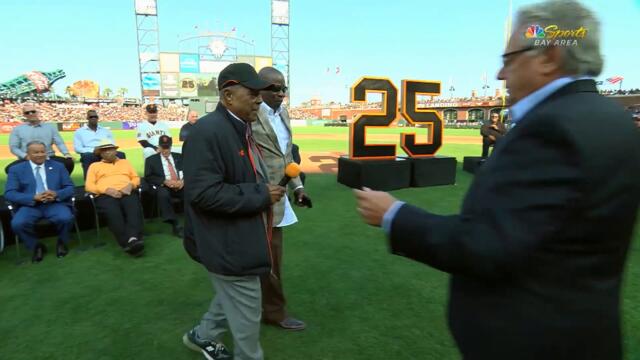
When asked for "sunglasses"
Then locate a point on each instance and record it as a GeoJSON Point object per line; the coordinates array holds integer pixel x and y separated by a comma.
{"type": "Point", "coordinates": [93, 117]}
{"type": "Point", "coordinates": [278, 88]}
{"type": "Point", "coordinates": [30, 112]}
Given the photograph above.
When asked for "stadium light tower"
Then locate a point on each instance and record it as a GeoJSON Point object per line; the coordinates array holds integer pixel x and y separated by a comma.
{"type": "Point", "coordinates": [148, 47]}
{"type": "Point", "coordinates": [280, 36]}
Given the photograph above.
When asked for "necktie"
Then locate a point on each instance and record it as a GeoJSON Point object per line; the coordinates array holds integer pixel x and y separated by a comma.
{"type": "Point", "coordinates": [39, 182]}
{"type": "Point", "coordinates": [172, 171]}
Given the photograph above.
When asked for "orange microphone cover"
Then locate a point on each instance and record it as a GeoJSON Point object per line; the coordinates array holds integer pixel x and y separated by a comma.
{"type": "Point", "coordinates": [292, 170]}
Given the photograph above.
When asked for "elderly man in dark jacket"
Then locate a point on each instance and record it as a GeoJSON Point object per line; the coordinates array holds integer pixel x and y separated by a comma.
{"type": "Point", "coordinates": [228, 208]}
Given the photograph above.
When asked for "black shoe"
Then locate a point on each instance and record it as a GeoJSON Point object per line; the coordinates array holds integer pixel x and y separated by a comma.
{"type": "Point", "coordinates": [212, 350]}
{"type": "Point", "coordinates": [38, 253]}
{"type": "Point", "coordinates": [134, 246]}
{"type": "Point", "coordinates": [61, 249]}
{"type": "Point", "coordinates": [178, 231]}
{"type": "Point", "coordinates": [291, 324]}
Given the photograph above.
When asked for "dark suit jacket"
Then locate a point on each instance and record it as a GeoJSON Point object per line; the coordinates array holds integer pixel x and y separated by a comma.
{"type": "Point", "coordinates": [537, 252]}
{"type": "Point", "coordinates": [154, 172]}
{"type": "Point", "coordinates": [486, 130]}
{"type": "Point", "coordinates": [21, 183]}
{"type": "Point", "coordinates": [224, 201]}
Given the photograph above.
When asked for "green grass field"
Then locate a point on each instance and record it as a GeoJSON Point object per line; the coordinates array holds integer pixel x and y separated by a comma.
{"type": "Point", "coordinates": [359, 301]}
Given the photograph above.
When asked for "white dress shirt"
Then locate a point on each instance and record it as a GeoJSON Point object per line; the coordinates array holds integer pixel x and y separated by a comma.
{"type": "Point", "coordinates": [284, 137]}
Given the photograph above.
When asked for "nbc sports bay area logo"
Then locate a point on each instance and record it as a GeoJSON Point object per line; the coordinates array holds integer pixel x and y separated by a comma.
{"type": "Point", "coordinates": [552, 35]}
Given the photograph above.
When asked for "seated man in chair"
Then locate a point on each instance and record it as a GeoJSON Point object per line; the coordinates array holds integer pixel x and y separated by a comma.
{"type": "Point", "coordinates": [163, 170]}
{"type": "Point", "coordinates": [115, 182]}
{"type": "Point", "coordinates": [40, 189]}
{"type": "Point", "coordinates": [88, 137]}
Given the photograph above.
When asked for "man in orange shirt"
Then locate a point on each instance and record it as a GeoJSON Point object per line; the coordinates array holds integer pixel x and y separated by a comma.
{"type": "Point", "coordinates": [114, 181]}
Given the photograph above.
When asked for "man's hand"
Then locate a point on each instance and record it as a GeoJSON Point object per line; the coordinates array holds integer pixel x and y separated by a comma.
{"type": "Point", "coordinates": [372, 205]}
{"type": "Point", "coordinates": [276, 192]}
{"type": "Point", "coordinates": [39, 197]}
{"type": "Point", "coordinates": [302, 199]}
{"type": "Point", "coordinates": [179, 185]}
{"type": "Point", "coordinates": [113, 193]}
{"type": "Point", "coordinates": [127, 189]}
{"type": "Point", "coordinates": [50, 195]}
{"type": "Point", "coordinates": [169, 183]}
{"type": "Point", "coordinates": [492, 138]}
{"type": "Point", "coordinates": [494, 126]}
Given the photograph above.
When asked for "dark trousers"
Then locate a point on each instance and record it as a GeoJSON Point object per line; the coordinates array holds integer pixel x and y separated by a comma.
{"type": "Point", "coordinates": [86, 159]}
{"type": "Point", "coordinates": [68, 163]}
{"type": "Point", "coordinates": [273, 301]}
{"type": "Point", "coordinates": [25, 219]}
{"type": "Point", "coordinates": [164, 196]}
{"type": "Point", "coordinates": [486, 143]}
{"type": "Point", "coordinates": [124, 216]}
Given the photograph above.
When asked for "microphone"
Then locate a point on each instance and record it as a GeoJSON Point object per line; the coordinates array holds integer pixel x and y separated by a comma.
{"type": "Point", "coordinates": [292, 170]}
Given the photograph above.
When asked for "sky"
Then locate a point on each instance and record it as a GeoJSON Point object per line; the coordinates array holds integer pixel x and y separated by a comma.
{"type": "Point", "coordinates": [454, 41]}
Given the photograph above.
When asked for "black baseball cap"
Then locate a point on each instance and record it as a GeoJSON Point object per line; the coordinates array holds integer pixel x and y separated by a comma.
{"type": "Point", "coordinates": [243, 74]}
{"type": "Point", "coordinates": [165, 141]}
{"type": "Point", "coordinates": [152, 108]}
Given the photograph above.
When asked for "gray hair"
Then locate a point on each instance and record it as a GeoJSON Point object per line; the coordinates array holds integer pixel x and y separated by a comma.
{"type": "Point", "coordinates": [583, 59]}
{"type": "Point", "coordinates": [36, 142]}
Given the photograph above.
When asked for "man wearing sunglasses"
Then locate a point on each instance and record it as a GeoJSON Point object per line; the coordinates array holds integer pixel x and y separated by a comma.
{"type": "Point", "coordinates": [537, 252]}
{"type": "Point", "coordinates": [88, 137]}
{"type": "Point", "coordinates": [35, 130]}
{"type": "Point", "coordinates": [272, 132]}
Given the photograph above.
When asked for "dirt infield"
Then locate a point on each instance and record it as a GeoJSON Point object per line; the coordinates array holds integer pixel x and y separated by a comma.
{"type": "Point", "coordinates": [312, 162]}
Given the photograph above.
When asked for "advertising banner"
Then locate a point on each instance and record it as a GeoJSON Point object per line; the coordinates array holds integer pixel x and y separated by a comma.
{"type": "Point", "coordinates": [7, 128]}
{"type": "Point", "coordinates": [170, 85]}
{"type": "Point", "coordinates": [189, 63]}
{"type": "Point", "coordinates": [262, 61]}
{"type": "Point", "coordinates": [188, 85]}
{"type": "Point", "coordinates": [146, 7]}
{"type": "Point", "coordinates": [169, 63]}
{"type": "Point", "coordinates": [71, 126]}
{"type": "Point", "coordinates": [129, 125]}
{"type": "Point", "coordinates": [207, 84]}
{"type": "Point", "coordinates": [213, 67]}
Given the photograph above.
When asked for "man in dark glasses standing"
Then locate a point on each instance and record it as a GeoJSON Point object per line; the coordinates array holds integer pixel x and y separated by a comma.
{"type": "Point", "coordinates": [272, 132]}
{"type": "Point", "coordinates": [35, 130]}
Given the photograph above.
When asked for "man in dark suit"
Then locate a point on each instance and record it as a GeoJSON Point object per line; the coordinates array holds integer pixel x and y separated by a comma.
{"type": "Point", "coordinates": [40, 189]}
{"type": "Point", "coordinates": [491, 133]}
{"type": "Point", "coordinates": [537, 252]}
{"type": "Point", "coordinates": [164, 171]}
{"type": "Point", "coordinates": [227, 205]}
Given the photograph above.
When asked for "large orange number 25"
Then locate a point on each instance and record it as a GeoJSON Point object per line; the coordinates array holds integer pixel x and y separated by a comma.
{"type": "Point", "coordinates": [358, 147]}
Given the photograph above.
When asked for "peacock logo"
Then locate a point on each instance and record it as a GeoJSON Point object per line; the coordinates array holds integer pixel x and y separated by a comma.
{"type": "Point", "coordinates": [534, 32]}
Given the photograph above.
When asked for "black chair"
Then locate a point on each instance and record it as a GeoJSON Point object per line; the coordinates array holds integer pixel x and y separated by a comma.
{"type": "Point", "coordinates": [92, 197]}
{"type": "Point", "coordinates": [156, 204]}
{"type": "Point", "coordinates": [43, 224]}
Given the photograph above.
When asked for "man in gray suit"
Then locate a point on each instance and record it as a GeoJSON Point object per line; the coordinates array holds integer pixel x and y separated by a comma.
{"type": "Point", "coordinates": [272, 133]}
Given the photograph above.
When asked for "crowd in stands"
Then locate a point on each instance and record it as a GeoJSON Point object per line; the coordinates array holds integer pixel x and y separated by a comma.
{"type": "Point", "coordinates": [10, 111]}
{"type": "Point", "coordinates": [620, 92]}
